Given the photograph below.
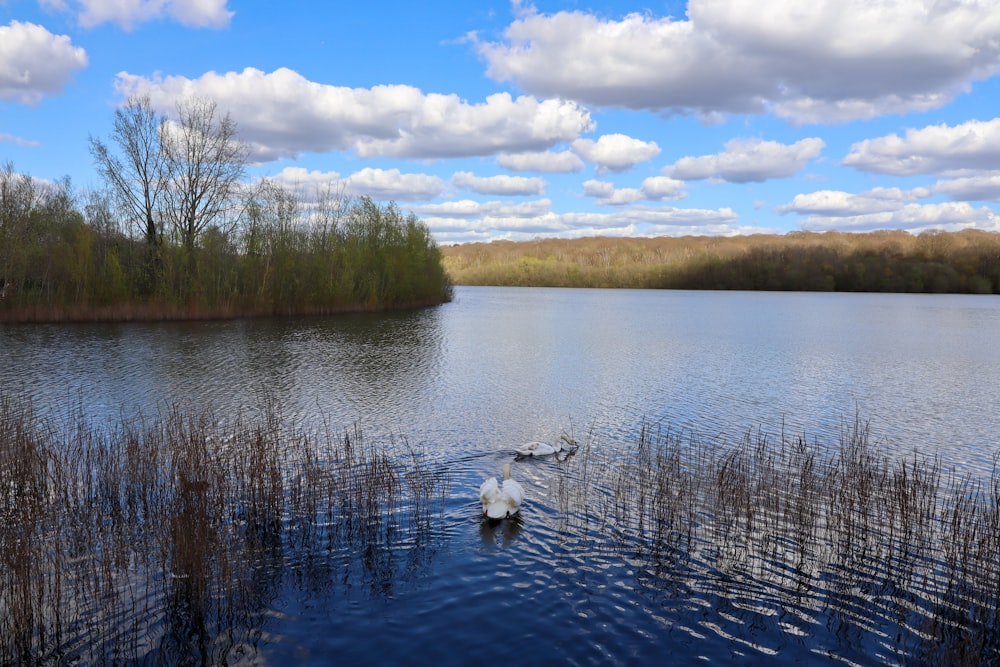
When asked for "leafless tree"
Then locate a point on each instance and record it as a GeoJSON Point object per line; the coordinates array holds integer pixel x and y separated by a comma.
{"type": "Point", "coordinates": [206, 162]}
{"type": "Point", "coordinates": [137, 172]}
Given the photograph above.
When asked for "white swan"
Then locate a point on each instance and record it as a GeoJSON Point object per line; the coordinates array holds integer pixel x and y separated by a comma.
{"type": "Point", "coordinates": [501, 501]}
{"type": "Point", "coordinates": [537, 449]}
{"type": "Point", "coordinates": [545, 449]}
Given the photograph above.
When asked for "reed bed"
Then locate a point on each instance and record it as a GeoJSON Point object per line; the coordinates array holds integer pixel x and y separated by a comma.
{"type": "Point", "coordinates": [846, 533]}
{"type": "Point", "coordinates": [169, 536]}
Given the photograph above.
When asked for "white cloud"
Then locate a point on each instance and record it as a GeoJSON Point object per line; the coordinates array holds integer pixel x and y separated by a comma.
{"type": "Point", "coordinates": [17, 141]}
{"type": "Point", "coordinates": [127, 14]}
{"type": "Point", "coordinates": [654, 188]}
{"type": "Point", "coordinates": [469, 209]}
{"type": "Point", "coordinates": [379, 184]}
{"type": "Point", "coordinates": [746, 160]}
{"type": "Point", "coordinates": [887, 208]}
{"type": "Point", "coordinates": [282, 114]}
{"type": "Point", "coordinates": [615, 152]}
{"type": "Point", "coordinates": [832, 203]}
{"type": "Point", "coordinates": [499, 185]}
{"type": "Point", "coordinates": [384, 184]}
{"type": "Point", "coordinates": [622, 196]}
{"type": "Point", "coordinates": [663, 187]}
{"type": "Point", "coordinates": [595, 188]}
{"type": "Point", "coordinates": [35, 63]}
{"type": "Point", "coordinates": [563, 162]}
{"type": "Point", "coordinates": [625, 221]}
{"type": "Point", "coordinates": [972, 188]}
{"type": "Point", "coordinates": [935, 149]}
{"type": "Point", "coordinates": [827, 60]}
{"type": "Point", "coordinates": [948, 216]}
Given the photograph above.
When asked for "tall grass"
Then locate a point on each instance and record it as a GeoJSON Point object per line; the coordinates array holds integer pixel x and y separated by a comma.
{"type": "Point", "coordinates": [904, 541]}
{"type": "Point", "coordinates": [168, 536]}
{"type": "Point", "coordinates": [172, 535]}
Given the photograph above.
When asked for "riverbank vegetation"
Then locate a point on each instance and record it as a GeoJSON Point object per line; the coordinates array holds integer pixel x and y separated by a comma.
{"type": "Point", "coordinates": [176, 233]}
{"type": "Point", "coordinates": [883, 261]}
{"type": "Point", "coordinates": [166, 539]}
{"type": "Point", "coordinates": [170, 537]}
{"type": "Point", "coordinates": [901, 550]}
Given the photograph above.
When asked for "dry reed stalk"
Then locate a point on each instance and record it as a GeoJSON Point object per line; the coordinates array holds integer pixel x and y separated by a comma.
{"type": "Point", "coordinates": [156, 536]}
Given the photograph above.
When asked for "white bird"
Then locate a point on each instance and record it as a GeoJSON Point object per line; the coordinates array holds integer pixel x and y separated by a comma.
{"type": "Point", "coordinates": [537, 449]}
{"type": "Point", "coordinates": [545, 449]}
{"type": "Point", "coordinates": [501, 501]}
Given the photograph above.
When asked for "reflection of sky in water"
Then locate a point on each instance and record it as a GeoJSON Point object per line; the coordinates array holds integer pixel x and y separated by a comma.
{"type": "Point", "coordinates": [500, 366]}
{"type": "Point", "coordinates": [466, 381]}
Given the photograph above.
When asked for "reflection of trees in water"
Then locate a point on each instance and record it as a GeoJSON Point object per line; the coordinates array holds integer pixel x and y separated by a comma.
{"type": "Point", "coordinates": [783, 540]}
{"type": "Point", "coordinates": [174, 538]}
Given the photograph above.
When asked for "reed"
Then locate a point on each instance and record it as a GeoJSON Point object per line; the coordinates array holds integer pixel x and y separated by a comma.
{"type": "Point", "coordinates": [848, 526]}
{"type": "Point", "coordinates": [167, 536]}
{"type": "Point", "coordinates": [171, 535]}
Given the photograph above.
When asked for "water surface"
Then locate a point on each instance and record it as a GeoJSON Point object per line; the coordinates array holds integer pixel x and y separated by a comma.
{"type": "Point", "coordinates": [466, 381]}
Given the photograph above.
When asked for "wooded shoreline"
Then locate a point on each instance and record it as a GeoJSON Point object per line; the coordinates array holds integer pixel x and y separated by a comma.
{"type": "Point", "coordinates": [881, 261]}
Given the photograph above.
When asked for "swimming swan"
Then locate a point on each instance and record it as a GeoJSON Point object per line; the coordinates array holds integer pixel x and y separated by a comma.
{"type": "Point", "coordinates": [537, 449]}
{"type": "Point", "coordinates": [501, 501]}
{"type": "Point", "coordinates": [544, 448]}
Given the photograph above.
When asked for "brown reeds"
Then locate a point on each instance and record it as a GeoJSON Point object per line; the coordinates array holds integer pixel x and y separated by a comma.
{"type": "Point", "coordinates": [167, 536]}
{"type": "Point", "coordinates": [171, 535]}
{"type": "Point", "coordinates": [848, 525]}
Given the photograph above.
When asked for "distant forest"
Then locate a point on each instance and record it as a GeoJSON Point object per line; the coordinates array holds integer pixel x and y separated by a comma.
{"type": "Point", "coordinates": [177, 233]}
{"type": "Point", "coordinates": [880, 261]}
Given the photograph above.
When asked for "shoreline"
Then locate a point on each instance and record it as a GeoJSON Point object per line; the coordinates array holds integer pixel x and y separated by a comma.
{"type": "Point", "coordinates": [124, 313]}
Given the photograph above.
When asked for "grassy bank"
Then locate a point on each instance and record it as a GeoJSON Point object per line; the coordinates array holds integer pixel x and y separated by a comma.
{"type": "Point", "coordinates": [960, 262]}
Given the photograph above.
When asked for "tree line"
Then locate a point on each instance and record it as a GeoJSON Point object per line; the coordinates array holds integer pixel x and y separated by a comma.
{"type": "Point", "coordinates": [883, 261]}
{"type": "Point", "coordinates": [176, 232]}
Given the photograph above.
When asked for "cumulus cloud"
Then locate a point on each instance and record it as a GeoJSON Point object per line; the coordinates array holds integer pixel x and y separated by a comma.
{"type": "Point", "coordinates": [748, 160]}
{"type": "Point", "coordinates": [499, 185]}
{"type": "Point", "coordinates": [663, 187]}
{"type": "Point", "coordinates": [383, 184]}
{"type": "Point", "coordinates": [127, 15]}
{"type": "Point", "coordinates": [839, 203]}
{"type": "Point", "coordinates": [654, 188]}
{"type": "Point", "coordinates": [379, 184]}
{"type": "Point", "coordinates": [562, 162]}
{"type": "Point", "coordinates": [887, 208]}
{"type": "Point", "coordinates": [972, 188]}
{"type": "Point", "coordinates": [282, 114]}
{"type": "Point", "coordinates": [948, 216]}
{"type": "Point", "coordinates": [469, 209]}
{"type": "Point", "coordinates": [828, 60]}
{"type": "Point", "coordinates": [935, 149]}
{"type": "Point", "coordinates": [624, 221]}
{"type": "Point", "coordinates": [595, 188]}
{"type": "Point", "coordinates": [615, 152]}
{"type": "Point", "coordinates": [35, 63]}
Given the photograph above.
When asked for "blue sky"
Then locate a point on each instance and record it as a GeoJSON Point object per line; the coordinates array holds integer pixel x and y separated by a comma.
{"type": "Point", "coordinates": [513, 120]}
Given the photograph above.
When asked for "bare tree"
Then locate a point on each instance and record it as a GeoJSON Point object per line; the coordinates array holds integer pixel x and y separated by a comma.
{"type": "Point", "coordinates": [206, 162]}
{"type": "Point", "coordinates": [137, 172]}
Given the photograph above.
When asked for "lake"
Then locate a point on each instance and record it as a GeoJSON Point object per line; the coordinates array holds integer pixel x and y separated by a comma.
{"type": "Point", "coordinates": [570, 580]}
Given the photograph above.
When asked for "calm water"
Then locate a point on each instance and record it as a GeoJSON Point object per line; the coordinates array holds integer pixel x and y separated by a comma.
{"type": "Point", "coordinates": [467, 381]}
